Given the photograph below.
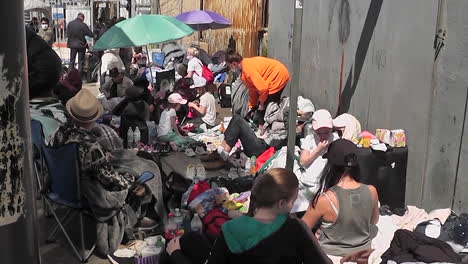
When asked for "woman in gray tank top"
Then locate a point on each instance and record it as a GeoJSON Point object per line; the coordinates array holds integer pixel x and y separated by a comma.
{"type": "Point", "coordinates": [344, 207]}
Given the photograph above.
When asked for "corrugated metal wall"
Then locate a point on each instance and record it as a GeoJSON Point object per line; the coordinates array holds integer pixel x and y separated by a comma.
{"type": "Point", "coordinates": [245, 15]}
{"type": "Point", "coordinates": [390, 79]}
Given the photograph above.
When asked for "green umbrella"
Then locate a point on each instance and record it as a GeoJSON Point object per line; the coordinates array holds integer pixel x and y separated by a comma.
{"type": "Point", "coordinates": [143, 30]}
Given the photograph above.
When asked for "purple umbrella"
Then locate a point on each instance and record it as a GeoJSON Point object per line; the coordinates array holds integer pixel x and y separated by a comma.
{"type": "Point", "coordinates": [203, 20]}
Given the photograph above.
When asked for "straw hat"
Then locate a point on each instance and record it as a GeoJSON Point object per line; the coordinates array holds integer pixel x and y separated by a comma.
{"type": "Point", "coordinates": [84, 106]}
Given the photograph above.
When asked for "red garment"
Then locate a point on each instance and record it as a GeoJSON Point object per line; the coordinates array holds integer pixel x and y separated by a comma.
{"type": "Point", "coordinates": [264, 157]}
{"type": "Point", "coordinates": [198, 189]}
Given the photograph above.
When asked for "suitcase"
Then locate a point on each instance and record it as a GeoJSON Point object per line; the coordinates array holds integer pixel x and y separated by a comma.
{"type": "Point", "coordinates": [224, 92]}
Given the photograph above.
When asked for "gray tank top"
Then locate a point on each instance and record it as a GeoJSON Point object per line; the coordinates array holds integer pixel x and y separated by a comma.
{"type": "Point", "coordinates": [351, 230]}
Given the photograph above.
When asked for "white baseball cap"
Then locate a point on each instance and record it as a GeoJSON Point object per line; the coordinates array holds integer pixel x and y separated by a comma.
{"type": "Point", "coordinates": [176, 98]}
{"type": "Point", "coordinates": [198, 82]}
{"type": "Point", "coordinates": [322, 118]}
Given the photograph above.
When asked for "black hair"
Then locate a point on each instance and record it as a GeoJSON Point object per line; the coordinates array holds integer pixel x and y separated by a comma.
{"type": "Point", "coordinates": [80, 15]}
{"type": "Point", "coordinates": [45, 19]}
{"type": "Point", "coordinates": [141, 82]}
{"type": "Point", "coordinates": [233, 56]}
{"type": "Point", "coordinates": [332, 174]}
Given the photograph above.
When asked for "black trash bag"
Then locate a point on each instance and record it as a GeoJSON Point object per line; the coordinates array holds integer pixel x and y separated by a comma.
{"type": "Point", "coordinates": [459, 230]}
{"type": "Point", "coordinates": [238, 185]}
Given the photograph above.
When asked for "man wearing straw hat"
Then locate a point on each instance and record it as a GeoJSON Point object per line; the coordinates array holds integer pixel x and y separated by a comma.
{"type": "Point", "coordinates": [104, 187]}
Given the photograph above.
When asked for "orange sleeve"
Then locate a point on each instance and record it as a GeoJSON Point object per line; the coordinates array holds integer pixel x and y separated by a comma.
{"type": "Point", "coordinates": [261, 87]}
{"type": "Point", "coordinates": [253, 96]}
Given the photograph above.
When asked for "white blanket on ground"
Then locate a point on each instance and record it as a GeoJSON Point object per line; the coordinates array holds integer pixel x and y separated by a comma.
{"type": "Point", "coordinates": [387, 226]}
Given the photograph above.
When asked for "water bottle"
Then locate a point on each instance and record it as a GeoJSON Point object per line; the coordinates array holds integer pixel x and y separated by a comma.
{"type": "Point", "coordinates": [248, 166]}
{"type": "Point", "coordinates": [179, 219]}
{"type": "Point", "coordinates": [196, 224]}
{"type": "Point", "coordinates": [253, 166]}
{"type": "Point", "coordinates": [137, 136]}
{"type": "Point", "coordinates": [159, 244]}
{"type": "Point", "coordinates": [170, 229]}
{"type": "Point", "coordinates": [130, 137]}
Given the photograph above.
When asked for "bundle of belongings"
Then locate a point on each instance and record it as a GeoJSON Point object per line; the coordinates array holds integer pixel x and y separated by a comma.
{"type": "Point", "coordinates": [215, 205]}
{"type": "Point", "coordinates": [239, 98]}
{"type": "Point", "coordinates": [174, 55]}
{"type": "Point", "coordinates": [412, 235]}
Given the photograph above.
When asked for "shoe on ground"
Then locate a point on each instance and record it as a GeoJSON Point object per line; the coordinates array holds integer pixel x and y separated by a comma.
{"type": "Point", "coordinates": [201, 173]}
{"type": "Point", "coordinates": [146, 223]}
{"type": "Point", "coordinates": [174, 146]}
{"type": "Point", "coordinates": [191, 171]}
{"type": "Point", "coordinates": [212, 157]}
{"type": "Point", "coordinates": [214, 165]}
{"type": "Point", "coordinates": [189, 152]}
{"type": "Point", "coordinates": [122, 256]}
{"type": "Point", "coordinates": [201, 151]}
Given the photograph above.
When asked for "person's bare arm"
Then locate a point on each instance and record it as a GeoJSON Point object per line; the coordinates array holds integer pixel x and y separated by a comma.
{"type": "Point", "coordinates": [174, 126]}
{"type": "Point", "coordinates": [375, 198]}
{"type": "Point", "coordinates": [200, 109]}
{"type": "Point", "coordinates": [189, 74]}
{"type": "Point", "coordinates": [314, 214]}
{"type": "Point", "coordinates": [309, 156]}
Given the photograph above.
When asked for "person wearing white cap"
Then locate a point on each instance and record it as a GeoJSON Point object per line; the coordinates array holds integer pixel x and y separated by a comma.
{"type": "Point", "coordinates": [313, 147]}
{"type": "Point", "coordinates": [167, 129]}
{"type": "Point", "coordinates": [207, 105]}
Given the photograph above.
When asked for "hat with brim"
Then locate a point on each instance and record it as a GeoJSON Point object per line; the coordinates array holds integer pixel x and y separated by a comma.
{"type": "Point", "coordinates": [84, 107]}
{"type": "Point", "coordinates": [322, 118]}
{"type": "Point", "coordinates": [176, 98]}
{"type": "Point", "coordinates": [339, 153]}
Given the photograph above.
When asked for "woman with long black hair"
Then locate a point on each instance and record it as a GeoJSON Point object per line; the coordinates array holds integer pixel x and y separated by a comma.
{"type": "Point", "coordinates": [344, 207]}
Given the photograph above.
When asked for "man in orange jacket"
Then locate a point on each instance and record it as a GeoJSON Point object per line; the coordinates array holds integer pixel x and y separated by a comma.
{"type": "Point", "coordinates": [264, 77]}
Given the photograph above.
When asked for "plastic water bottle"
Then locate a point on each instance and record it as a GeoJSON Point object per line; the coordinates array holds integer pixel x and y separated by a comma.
{"type": "Point", "coordinates": [159, 243]}
{"type": "Point", "coordinates": [253, 166]}
{"type": "Point", "coordinates": [248, 166]}
{"type": "Point", "coordinates": [170, 229]}
{"type": "Point", "coordinates": [130, 137]}
{"type": "Point", "coordinates": [137, 136]}
{"type": "Point", "coordinates": [196, 224]}
{"type": "Point", "coordinates": [179, 219]}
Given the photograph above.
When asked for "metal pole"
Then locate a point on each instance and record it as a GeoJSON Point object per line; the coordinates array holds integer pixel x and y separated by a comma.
{"type": "Point", "coordinates": [294, 87]}
{"type": "Point", "coordinates": [19, 243]}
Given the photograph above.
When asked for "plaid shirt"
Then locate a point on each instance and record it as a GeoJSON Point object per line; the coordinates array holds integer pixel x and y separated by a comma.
{"type": "Point", "coordinates": [92, 155]}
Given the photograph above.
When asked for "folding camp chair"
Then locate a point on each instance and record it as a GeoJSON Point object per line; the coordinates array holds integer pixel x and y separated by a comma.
{"type": "Point", "coordinates": [63, 189]}
{"type": "Point", "coordinates": [38, 142]}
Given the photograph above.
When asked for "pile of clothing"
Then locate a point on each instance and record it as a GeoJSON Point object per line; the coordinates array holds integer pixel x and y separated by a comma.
{"type": "Point", "coordinates": [215, 204]}
{"type": "Point", "coordinates": [413, 235]}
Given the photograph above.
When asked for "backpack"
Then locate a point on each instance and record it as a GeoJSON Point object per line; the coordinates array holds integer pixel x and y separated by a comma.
{"type": "Point", "coordinates": [224, 92]}
{"type": "Point", "coordinates": [213, 221]}
{"type": "Point", "coordinates": [207, 74]}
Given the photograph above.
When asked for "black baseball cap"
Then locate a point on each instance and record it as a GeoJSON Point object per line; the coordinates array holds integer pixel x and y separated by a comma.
{"type": "Point", "coordinates": [339, 152]}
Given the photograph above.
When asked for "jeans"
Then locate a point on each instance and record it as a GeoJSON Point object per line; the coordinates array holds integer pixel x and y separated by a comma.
{"type": "Point", "coordinates": [81, 57]}
{"type": "Point", "coordinates": [259, 117]}
{"type": "Point", "coordinates": [239, 129]}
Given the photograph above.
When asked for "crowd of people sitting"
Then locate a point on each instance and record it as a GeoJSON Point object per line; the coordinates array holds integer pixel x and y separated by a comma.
{"type": "Point", "coordinates": [337, 211]}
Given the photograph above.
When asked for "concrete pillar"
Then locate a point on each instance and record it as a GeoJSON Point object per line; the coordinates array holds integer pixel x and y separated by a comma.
{"type": "Point", "coordinates": [18, 243]}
